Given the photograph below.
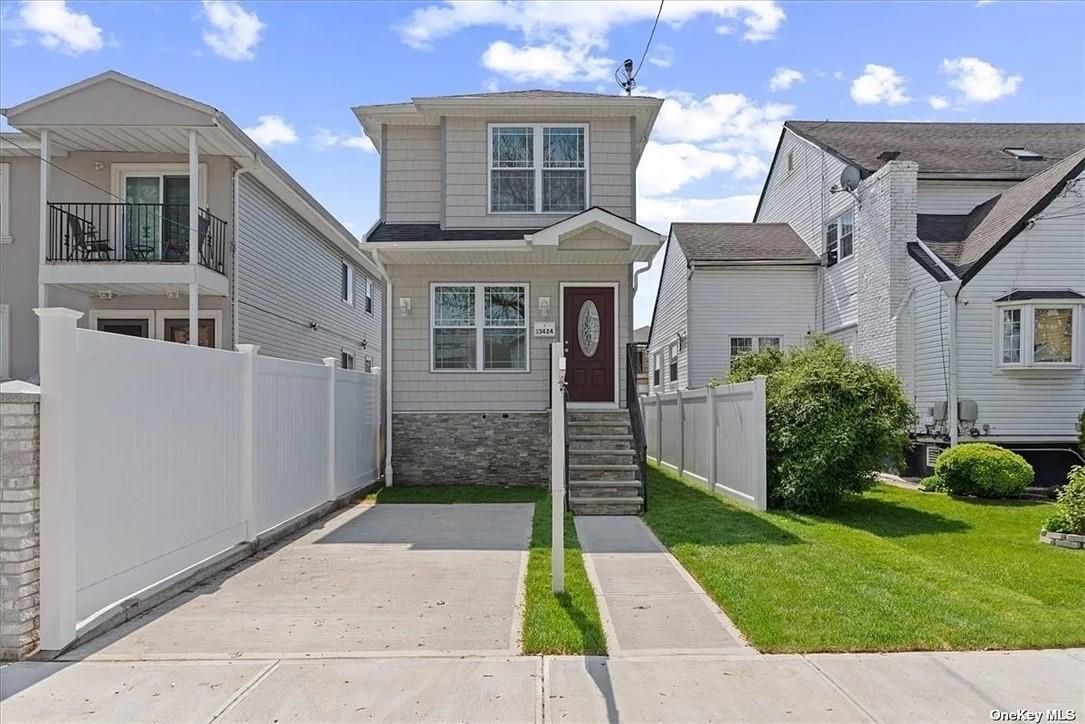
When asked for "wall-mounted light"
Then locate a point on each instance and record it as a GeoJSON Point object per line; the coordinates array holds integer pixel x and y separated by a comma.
{"type": "Point", "coordinates": [106, 294]}
{"type": "Point", "coordinates": [173, 294]}
{"type": "Point", "coordinates": [681, 339]}
{"type": "Point", "coordinates": [98, 165]}
{"type": "Point", "coordinates": [544, 306]}
{"type": "Point", "coordinates": [404, 306]}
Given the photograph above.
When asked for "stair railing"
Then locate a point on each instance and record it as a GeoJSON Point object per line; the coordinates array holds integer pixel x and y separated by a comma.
{"type": "Point", "coordinates": [634, 361]}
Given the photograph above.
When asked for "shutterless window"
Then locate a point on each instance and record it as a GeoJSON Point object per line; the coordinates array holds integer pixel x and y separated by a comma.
{"type": "Point", "coordinates": [346, 283]}
{"type": "Point", "coordinates": [1011, 336]}
{"type": "Point", "coordinates": [839, 238]}
{"type": "Point", "coordinates": [346, 360]}
{"type": "Point", "coordinates": [657, 363]}
{"type": "Point", "coordinates": [741, 345]}
{"type": "Point", "coordinates": [368, 295]}
{"type": "Point", "coordinates": [673, 354]}
{"type": "Point", "coordinates": [480, 327]}
{"type": "Point", "coordinates": [1038, 335]}
{"type": "Point", "coordinates": [538, 169]}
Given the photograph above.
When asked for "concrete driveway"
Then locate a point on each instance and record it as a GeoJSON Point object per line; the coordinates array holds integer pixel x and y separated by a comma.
{"type": "Point", "coordinates": [384, 579]}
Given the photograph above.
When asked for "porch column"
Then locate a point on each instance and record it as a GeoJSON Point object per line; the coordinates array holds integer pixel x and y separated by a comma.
{"type": "Point", "coordinates": [43, 210]}
{"type": "Point", "coordinates": [194, 235]}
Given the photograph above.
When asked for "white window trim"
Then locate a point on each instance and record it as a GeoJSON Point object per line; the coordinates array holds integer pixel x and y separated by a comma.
{"type": "Point", "coordinates": [1028, 329]}
{"type": "Point", "coordinates": [755, 341]}
{"type": "Point", "coordinates": [156, 320]}
{"type": "Point", "coordinates": [825, 233]}
{"type": "Point", "coordinates": [353, 361]}
{"type": "Point", "coordinates": [349, 299]}
{"type": "Point", "coordinates": [537, 167]}
{"type": "Point", "coordinates": [368, 295]}
{"type": "Point", "coordinates": [5, 203]}
{"type": "Point", "coordinates": [121, 171]}
{"type": "Point", "coordinates": [480, 325]}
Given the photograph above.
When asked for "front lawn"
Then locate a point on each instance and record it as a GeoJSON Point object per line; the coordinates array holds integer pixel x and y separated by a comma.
{"type": "Point", "coordinates": [565, 624]}
{"type": "Point", "coordinates": [891, 570]}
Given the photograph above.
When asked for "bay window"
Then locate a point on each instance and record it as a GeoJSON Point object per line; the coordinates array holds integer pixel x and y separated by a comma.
{"type": "Point", "coordinates": [538, 168]}
{"type": "Point", "coordinates": [1038, 335]}
{"type": "Point", "coordinates": [840, 238]}
{"type": "Point", "coordinates": [479, 327]}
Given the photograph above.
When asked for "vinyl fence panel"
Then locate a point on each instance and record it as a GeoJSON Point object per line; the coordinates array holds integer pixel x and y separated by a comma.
{"type": "Point", "coordinates": [357, 426]}
{"type": "Point", "coordinates": [716, 436]}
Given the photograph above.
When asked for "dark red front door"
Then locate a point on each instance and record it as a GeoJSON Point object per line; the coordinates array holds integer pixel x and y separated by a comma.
{"type": "Point", "coordinates": [588, 330]}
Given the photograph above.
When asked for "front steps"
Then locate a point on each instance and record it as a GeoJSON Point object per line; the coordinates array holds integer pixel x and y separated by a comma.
{"type": "Point", "coordinates": [603, 471]}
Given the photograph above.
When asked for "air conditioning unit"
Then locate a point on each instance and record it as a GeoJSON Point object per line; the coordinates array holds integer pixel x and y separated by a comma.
{"type": "Point", "coordinates": [938, 412]}
{"type": "Point", "coordinates": [967, 412]}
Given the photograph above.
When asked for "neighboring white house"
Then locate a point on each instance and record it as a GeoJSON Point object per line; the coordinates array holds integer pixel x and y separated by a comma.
{"type": "Point", "coordinates": [958, 261]}
{"type": "Point", "coordinates": [727, 288]}
{"type": "Point", "coordinates": [507, 221]}
{"type": "Point", "coordinates": [98, 204]}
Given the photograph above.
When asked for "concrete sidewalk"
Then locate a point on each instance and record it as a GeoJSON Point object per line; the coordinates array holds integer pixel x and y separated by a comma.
{"type": "Point", "coordinates": [648, 602]}
{"type": "Point", "coordinates": [908, 687]}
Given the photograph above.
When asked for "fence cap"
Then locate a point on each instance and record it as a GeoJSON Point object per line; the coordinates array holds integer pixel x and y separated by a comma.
{"type": "Point", "coordinates": [58, 312]}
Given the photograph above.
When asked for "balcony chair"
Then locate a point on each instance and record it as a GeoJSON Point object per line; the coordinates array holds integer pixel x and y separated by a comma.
{"type": "Point", "coordinates": [84, 240]}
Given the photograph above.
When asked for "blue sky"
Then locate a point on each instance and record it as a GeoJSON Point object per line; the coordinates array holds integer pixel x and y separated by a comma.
{"type": "Point", "coordinates": [292, 71]}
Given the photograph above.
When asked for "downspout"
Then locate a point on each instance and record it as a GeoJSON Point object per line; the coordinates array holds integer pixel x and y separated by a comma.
{"type": "Point", "coordinates": [952, 289]}
{"type": "Point", "coordinates": [386, 367]}
{"type": "Point", "coordinates": [236, 321]}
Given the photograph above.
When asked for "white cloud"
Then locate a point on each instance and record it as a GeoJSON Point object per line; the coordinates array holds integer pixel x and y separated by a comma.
{"type": "Point", "coordinates": [233, 32]}
{"type": "Point", "coordinates": [978, 80]}
{"type": "Point", "coordinates": [784, 78]}
{"type": "Point", "coordinates": [725, 121]}
{"type": "Point", "coordinates": [938, 103]}
{"type": "Point", "coordinates": [272, 130]}
{"type": "Point", "coordinates": [549, 64]}
{"type": "Point", "coordinates": [662, 56]}
{"type": "Point", "coordinates": [879, 84]}
{"type": "Point", "coordinates": [59, 27]}
{"type": "Point", "coordinates": [666, 167]}
{"type": "Point", "coordinates": [325, 139]}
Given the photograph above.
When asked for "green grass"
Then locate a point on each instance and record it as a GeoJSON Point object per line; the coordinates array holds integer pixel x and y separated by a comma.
{"type": "Point", "coordinates": [564, 624]}
{"type": "Point", "coordinates": [892, 570]}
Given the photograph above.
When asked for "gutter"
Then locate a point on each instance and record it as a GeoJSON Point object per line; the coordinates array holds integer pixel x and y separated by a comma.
{"type": "Point", "coordinates": [386, 367]}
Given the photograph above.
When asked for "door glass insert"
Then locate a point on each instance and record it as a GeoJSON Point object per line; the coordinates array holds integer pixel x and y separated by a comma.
{"type": "Point", "coordinates": [175, 218]}
{"type": "Point", "coordinates": [587, 328]}
{"type": "Point", "coordinates": [143, 227]}
{"type": "Point", "coordinates": [135, 327]}
{"type": "Point", "coordinates": [176, 330]}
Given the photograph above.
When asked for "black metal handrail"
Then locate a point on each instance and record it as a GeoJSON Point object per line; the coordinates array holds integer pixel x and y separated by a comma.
{"type": "Point", "coordinates": [112, 232]}
{"type": "Point", "coordinates": [633, 357]}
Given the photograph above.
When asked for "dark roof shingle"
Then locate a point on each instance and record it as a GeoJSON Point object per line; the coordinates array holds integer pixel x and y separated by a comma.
{"type": "Point", "coordinates": [742, 242]}
{"type": "Point", "coordinates": [967, 149]}
{"type": "Point", "coordinates": [383, 232]}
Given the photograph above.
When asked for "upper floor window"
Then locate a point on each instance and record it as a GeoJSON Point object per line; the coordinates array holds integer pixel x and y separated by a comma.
{"type": "Point", "coordinates": [346, 284]}
{"type": "Point", "coordinates": [1038, 335]}
{"type": "Point", "coordinates": [839, 238]}
{"type": "Point", "coordinates": [672, 360]}
{"type": "Point", "coordinates": [368, 295]}
{"type": "Point", "coordinates": [346, 360]}
{"type": "Point", "coordinates": [538, 168]}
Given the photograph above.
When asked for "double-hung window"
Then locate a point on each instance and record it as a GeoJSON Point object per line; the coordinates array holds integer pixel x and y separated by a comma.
{"type": "Point", "coordinates": [479, 327]}
{"type": "Point", "coordinates": [368, 295]}
{"type": "Point", "coordinates": [840, 238]}
{"type": "Point", "coordinates": [657, 363]}
{"type": "Point", "coordinates": [672, 362]}
{"type": "Point", "coordinates": [1039, 335]}
{"type": "Point", "coordinates": [742, 345]}
{"type": "Point", "coordinates": [538, 168]}
{"type": "Point", "coordinates": [346, 360]}
{"type": "Point", "coordinates": [346, 283]}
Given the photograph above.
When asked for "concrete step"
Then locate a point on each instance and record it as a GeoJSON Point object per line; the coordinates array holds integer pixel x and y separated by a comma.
{"type": "Point", "coordinates": [605, 506]}
{"type": "Point", "coordinates": [600, 442]}
{"type": "Point", "coordinates": [601, 457]}
{"type": "Point", "coordinates": [604, 489]}
{"type": "Point", "coordinates": [598, 428]}
{"type": "Point", "coordinates": [602, 471]}
{"type": "Point", "coordinates": [599, 415]}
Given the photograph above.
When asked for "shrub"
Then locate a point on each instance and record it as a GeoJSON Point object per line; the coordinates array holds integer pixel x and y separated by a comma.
{"type": "Point", "coordinates": [833, 422]}
{"type": "Point", "coordinates": [932, 484]}
{"type": "Point", "coordinates": [1069, 514]}
{"type": "Point", "coordinates": [983, 470]}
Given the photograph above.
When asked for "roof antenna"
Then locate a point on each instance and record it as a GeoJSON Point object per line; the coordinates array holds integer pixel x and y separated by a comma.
{"type": "Point", "coordinates": [629, 82]}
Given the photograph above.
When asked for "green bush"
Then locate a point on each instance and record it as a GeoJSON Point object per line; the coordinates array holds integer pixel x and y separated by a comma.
{"type": "Point", "coordinates": [984, 471]}
{"type": "Point", "coordinates": [932, 484]}
{"type": "Point", "coordinates": [1069, 514]}
{"type": "Point", "coordinates": [833, 422]}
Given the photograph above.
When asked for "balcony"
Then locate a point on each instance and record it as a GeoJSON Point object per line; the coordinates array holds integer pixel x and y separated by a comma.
{"type": "Point", "coordinates": [129, 232]}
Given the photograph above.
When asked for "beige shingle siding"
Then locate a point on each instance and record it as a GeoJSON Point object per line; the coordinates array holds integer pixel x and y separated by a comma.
{"type": "Point", "coordinates": [416, 389]}
{"type": "Point", "coordinates": [466, 174]}
{"type": "Point", "coordinates": [287, 269]}
{"type": "Point", "coordinates": [412, 174]}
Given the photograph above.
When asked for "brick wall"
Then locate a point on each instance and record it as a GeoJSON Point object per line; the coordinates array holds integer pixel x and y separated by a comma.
{"type": "Point", "coordinates": [19, 415]}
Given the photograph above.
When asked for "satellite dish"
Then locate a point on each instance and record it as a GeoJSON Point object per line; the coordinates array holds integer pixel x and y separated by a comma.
{"type": "Point", "coordinates": [849, 178]}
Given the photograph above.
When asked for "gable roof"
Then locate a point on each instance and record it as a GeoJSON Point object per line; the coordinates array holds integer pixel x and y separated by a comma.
{"type": "Point", "coordinates": [968, 241]}
{"type": "Point", "coordinates": [742, 242]}
{"type": "Point", "coordinates": [951, 150]}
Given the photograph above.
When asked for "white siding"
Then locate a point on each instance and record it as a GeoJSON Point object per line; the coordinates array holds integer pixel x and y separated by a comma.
{"type": "Point", "coordinates": [670, 318]}
{"type": "Point", "coordinates": [930, 358]}
{"type": "Point", "coordinates": [288, 277]}
{"type": "Point", "coordinates": [956, 197]}
{"type": "Point", "coordinates": [416, 389]}
{"type": "Point", "coordinates": [746, 301]}
{"type": "Point", "coordinates": [412, 163]}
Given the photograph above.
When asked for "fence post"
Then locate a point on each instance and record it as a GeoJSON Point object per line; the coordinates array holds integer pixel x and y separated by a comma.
{"type": "Point", "coordinates": [330, 363]}
{"type": "Point", "coordinates": [710, 428]}
{"type": "Point", "coordinates": [759, 446]}
{"type": "Point", "coordinates": [248, 437]}
{"type": "Point", "coordinates": [58, 366]}
{"type": "Point", "coordinates": [681, 435]}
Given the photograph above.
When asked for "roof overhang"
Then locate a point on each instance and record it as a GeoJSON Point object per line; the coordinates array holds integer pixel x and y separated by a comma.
{"type": "Point", "coordinates": [709, 263]}
{"type": "Point", "coordinates": [554, 234]}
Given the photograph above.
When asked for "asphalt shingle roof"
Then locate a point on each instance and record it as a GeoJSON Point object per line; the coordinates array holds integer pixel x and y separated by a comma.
{"type": "Point", "coordinates": [968, 149]}
{"type": "Point", "coordinates": [742, 242]}
{"type": "Point", "coordinates": [433, 232]}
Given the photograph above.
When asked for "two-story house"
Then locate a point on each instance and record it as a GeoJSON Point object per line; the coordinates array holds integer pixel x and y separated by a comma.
{"type": "Point", "coordinates": [156, 216]}
{"type": "Point", "coordinates": [953, 253]}
{"type": "Point", "coordinates": [507, 221]}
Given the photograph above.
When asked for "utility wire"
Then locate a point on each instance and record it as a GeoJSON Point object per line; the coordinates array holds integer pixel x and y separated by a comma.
{"type": "Point", "coordinates": [649, 43]}
{"type": "Point", "coordinates": [314, 326]}
{"type": "Point", "coordinates": [631, 71]}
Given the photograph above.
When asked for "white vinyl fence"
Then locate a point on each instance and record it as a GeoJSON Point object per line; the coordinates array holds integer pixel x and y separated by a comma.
{"type": "Point", "coordinates": [156, 456]}
{"type": "Point", "coordinates": [714, 435]}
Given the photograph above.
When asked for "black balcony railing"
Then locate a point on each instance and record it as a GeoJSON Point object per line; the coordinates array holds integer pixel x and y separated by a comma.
{"type": "Point", "coordinates": [93, 232]}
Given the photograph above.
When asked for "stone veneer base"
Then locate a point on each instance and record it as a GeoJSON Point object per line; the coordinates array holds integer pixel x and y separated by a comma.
{"type": "Point", "coordinates": [461, 448]}
{"type": "Point", "coordinates": [1063, 540]}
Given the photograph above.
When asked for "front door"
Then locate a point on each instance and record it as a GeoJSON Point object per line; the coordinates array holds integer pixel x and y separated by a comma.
{"type": "Point", "coordinates": [588, 334]}
{"type": "Point", "coordinates": [135, 327]}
